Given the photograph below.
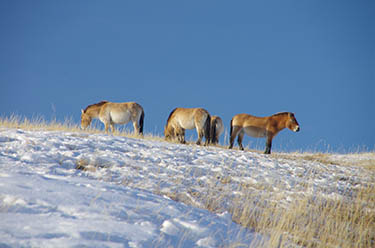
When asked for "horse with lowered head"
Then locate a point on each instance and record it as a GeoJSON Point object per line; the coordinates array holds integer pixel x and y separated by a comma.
{"type": "Point", "coordinates": [260, 127]}
{"type": "Point", "coordinates": [111, 113]}
{"type": "Point", "coordinates": [181, 119]}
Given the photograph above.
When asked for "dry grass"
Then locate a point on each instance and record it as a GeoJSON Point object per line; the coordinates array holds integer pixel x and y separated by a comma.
{"type": "Point", "coordinates": [306, 221]}
{"type": "Point", "coordinates": [365, 160]}
{"type": "Point", "coordinates": [40, 124]}
{"type": "Point", "coordinates": [311, 221]}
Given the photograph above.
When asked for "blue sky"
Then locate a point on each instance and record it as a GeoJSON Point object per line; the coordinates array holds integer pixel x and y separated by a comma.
{"type": "Point", "coordinates": [313, 58]}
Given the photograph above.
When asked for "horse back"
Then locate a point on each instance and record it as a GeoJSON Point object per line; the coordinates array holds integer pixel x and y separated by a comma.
{"type": "Point", "coordinates": [132, 108]}
{"type": "Point", "coordinates": [96, 106]}
{"type": "Point", "coordinates": [246, 120]}
{"type": "Point", "coordinates": [121, 113]}
{"type": "Point", "coordinates": [188, 118]}
{"type": "Point", "coordinates": [259, 126]}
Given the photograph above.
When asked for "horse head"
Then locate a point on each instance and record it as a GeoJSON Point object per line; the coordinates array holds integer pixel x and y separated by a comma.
{"type": "Point", "coordinates": [85, 119]}
{"type": "Point", "coordinates": [292, 123]}
{"type": "Point", "coordinates": [168, 132]}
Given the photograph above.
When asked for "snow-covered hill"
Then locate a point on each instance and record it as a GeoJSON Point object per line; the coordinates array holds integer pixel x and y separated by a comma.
{"type": "Point", "coordinates": [143, 193]}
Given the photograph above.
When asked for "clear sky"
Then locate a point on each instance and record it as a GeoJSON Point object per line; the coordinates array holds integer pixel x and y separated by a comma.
{"type": "Point", "coordinates": [313, 58]}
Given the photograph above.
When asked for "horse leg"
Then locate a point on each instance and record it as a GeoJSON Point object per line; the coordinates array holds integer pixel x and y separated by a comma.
{"type": "Point", "coordinates": [240, 138]}
{"type": "Point", "coordinates": [106, 127]}
{"type": "Point", "coordinates": [112, 127]}
{"type": "Point", "coordinates": [268, 145]}
{"type": "Point", "coordinates": [199, 127]}
{"type": "Point", "coordinates": [180, 133]}
{"type": "Point", "coordinates": [136, 127]}
{"type": "Point", "coordinates": [200, 132]}
{"type": "Point", "coordinates": [200, 136]}
{"type": "Point", "coordinates": [233, 135]}
{"type": "Point", "coordinates": [105, 118]}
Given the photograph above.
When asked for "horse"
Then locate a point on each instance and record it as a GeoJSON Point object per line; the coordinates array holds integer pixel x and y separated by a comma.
{"type": "Point", "coordinates": [217, 128]}
{"type": "Point", "coordinates": [260, 127]}
{"type": "Point", "coordinates": [188, 118]}
{"type": "Point", "coordinates": [111, 113]}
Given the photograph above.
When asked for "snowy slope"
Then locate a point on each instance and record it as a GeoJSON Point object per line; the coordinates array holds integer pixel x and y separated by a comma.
{"type": "Point", "coordinates": [46, 202]}
{"type": "Point", "coordinates": [124, 196]}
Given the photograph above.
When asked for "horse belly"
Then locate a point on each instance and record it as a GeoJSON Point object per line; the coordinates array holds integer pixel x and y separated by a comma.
{"type": "Point", "coordinates": [255, 132]}
{"type": "Point", "coordinates": [186, 123]}
{"type": "Point", "coordinates": [120, 117]}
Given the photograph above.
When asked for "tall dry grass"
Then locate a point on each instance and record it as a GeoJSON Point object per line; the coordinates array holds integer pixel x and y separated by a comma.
{"type": "Point", "coordinates": [343, 218]}
{"type": "Point", "coordinates": [40, 124]}
{"type": "Point", "coordinates": [311, 221]}
{"type": "Point", "coordinates": [366, 160]}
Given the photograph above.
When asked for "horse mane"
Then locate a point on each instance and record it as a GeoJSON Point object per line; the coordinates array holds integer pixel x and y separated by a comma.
{"type": "Point", "coordinates": [95, 105]}
{"type": "Point", "coordinates": [170, 115]}
{"type": "Point", "coordinates": [281, 113]}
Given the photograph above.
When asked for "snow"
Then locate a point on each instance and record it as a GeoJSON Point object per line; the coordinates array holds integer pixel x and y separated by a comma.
{"type": "Point", "coordinates": [140, 192]}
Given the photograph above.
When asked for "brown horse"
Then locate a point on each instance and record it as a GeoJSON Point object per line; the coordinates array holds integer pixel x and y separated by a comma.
{"type": "Point", "coordinates": [217, 128]}
{"type": "Point", "coordinates": [111, 113]}
{"type": "Point", "coordinates": [259, 127]}
{"type": "Point", "coordinates": [188, 118]}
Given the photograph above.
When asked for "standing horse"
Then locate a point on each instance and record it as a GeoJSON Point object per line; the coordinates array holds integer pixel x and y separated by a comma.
{"type": "Point", "coordinates": [188, 118]}
{"type": "Point", "coordinates": [217, 128]}
{"type": "Point", "coordinates": [259, 127]}
{"type": "Point", "coordinates": [111, 113]}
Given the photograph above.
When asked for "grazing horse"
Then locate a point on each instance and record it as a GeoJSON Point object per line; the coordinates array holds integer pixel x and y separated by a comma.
{"type": "Point", "coordinates": [111, 113]}
{"type": "Point", "coordinates": [188, 118]}
{"type": "Point", "coordinates": [217, 128]}
{"type": "Point", "coordinates": [260, 127]}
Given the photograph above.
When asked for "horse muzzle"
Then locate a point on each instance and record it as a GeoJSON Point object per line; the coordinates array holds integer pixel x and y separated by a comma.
{"type": "Point", "coordinates": [296, 129]}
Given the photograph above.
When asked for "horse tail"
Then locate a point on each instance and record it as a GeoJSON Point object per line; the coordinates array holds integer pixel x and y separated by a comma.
{"type": "Point", "coordinates": [213, 131]}
{"type": "Point", "coordinates": [231, 128]}
{"type": "Point", "coordinates": [207, 127]}
{"type": "Point", "coordinates": [141, 121]}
